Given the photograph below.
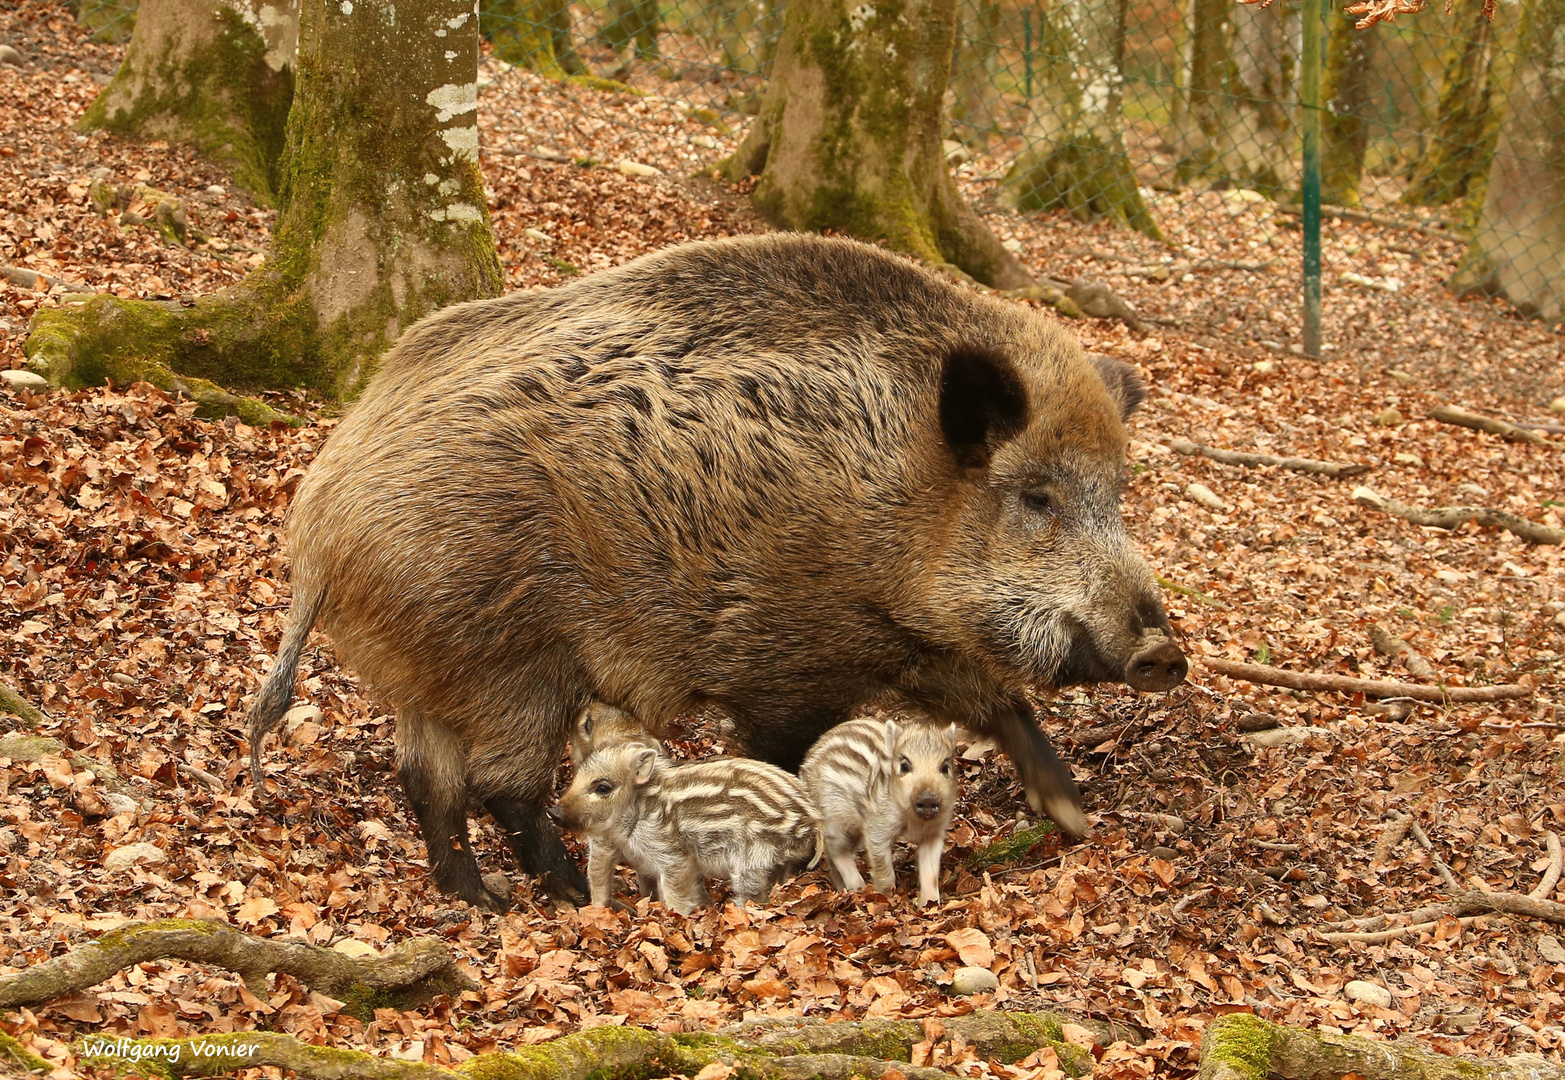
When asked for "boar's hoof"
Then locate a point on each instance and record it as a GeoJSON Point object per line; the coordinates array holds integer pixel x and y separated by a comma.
{"type": "Point", "coordinates": [1160, 666]}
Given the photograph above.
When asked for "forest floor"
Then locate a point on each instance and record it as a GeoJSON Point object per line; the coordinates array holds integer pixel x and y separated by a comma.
{"type": "Point", "coordinates": [143, 589]}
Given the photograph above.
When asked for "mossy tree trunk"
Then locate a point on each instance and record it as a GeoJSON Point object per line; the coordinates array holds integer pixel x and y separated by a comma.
{"type": "Point", "coordinates": [533, 33]}
{"type": "Point", "coordinates": [218, 74]}
{"type": "Point", "coordinates": [1079, 163]}
{"type": "Point", "coordinates": [384, 220]}
{"type": "Point", "coordinates": [734, 28]}
{"type": "Point", "coordinates": [972, 80]}
{"type": "Point", "coordinates": [1206, 63]}
{"type": "Point", "coordinates": [849, 134]}
{"type": "Point", "coordinates": [1258, 144]}
{"type": "Point", "coordinates": [1518, 247]}
{"type": "Point", "coordinates": [1456, 155]}
{"type": "Point", "coordinates": [1351, 56]}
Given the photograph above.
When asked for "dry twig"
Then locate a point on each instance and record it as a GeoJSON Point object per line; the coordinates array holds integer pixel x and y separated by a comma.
{"type": "Point", "coordinates": [1451, 414]}
{"type": "Point", "coordinates": [1380, 688]}
{"type": "Point", "coordinates": [1451, 517]}
{"type": "Point", "coordinates": [1243, 457]}
{"type": "Point", "coordinates": [1387, 645]}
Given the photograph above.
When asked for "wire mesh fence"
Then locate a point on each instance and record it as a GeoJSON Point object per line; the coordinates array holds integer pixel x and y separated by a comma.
{"type": "Point", "coordinates": [1445, 125]}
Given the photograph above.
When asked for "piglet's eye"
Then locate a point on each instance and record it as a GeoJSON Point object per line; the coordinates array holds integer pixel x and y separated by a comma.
{"type": "Point", "coordinates": [904, 766]}
{"type": "Point", "coordinates": [945, 768]}
{"type": "Point", "coordinates": [602, 787]}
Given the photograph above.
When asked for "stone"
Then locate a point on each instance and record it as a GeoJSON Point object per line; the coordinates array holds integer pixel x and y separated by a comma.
{"type": "Point", "coordinates": [956, 153]}
{"type": "Point", "coordinates": [1559, 620]}
{"type": "Point", "coordinates": [353, 948]}
{"type": "Point", "coordinates": [1287, 736]}
{"type": "Point", "coordinates": [536, 234]}
{"type": "Point", "coordinates": [973, 980]}
{"type": "Point", "coordinates": [302, 714]}
{"type": "Point", "coordinates": [1388, 417]}
{"type": "Point", "coordinates": [1265, 367]}
{"type": "Point", "coordinates": [1557, 406]}
{"type": "Point", "coordinates": [497, 883]}
{"type": "Point", "coordinates": [22, 379]}
{"type": "Point", "coordinates": [1205, 496]}
{"type": "Point", "coordinates": [123, 858]}
{"type": "Point", "coordinates": [216, 189]}
{"type": "Point", "coordinates": [8, 55]}
{"type": "Point", "coordinates": [1167, 854]}
{"type": "Point", "coordinates": [1549, 947]}
{"type": "Point", "coordinates": [1472, 490]}
{"type": "Point", "coordinates": [1367, 993]}
{"type": "Point", "coordinates": [636, 168]}
{"type": "Point", "coordinates": [1013, 245]}
{"type": "Point", "coordinates": [120, 804]}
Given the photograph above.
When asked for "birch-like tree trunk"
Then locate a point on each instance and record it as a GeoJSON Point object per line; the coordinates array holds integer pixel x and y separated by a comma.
{"type": "Point", "coordinates": [383, 221]}
{"type": "Point", "coordinates": [1518, 248]}
{"type": "Point", "coordinates": [1076, 160]}
{"type": "Point", "coordinates": [218, 74]}
{"type": "Point", "coordinates": [849, 134]}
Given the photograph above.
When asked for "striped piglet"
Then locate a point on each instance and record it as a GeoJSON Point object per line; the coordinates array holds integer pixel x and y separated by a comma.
{"type": "Point", "coordinates": [875, 782]}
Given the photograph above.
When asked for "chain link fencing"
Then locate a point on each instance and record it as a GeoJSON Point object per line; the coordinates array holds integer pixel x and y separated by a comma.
{"type": "Point", "coordinates": [1444, 126]}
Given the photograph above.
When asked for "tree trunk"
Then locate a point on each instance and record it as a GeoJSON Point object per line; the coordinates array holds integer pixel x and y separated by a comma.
{"type": "Point", "coordinates": [1518, 249]}
{"type": "Point", "coordinates": [1198, 126]}
{"type": "Point", "coordinates": [1351, 56]}
{"type": "Point", "coordinates": [1258, 142]}
{"type": "Point", "coordinates": [849, 134]}
{"type": "Point", "coordinates": [215, 73]}
{"type": "Point", "coordinates": [1457, 156]}
{"type": "Point", "coordinates": [733, 27]}
{"type": "Point", "coordinates": [533, 33]}
{"type": "Point", "coordinates": [972, 80]}
{"type": "Point", "coordinates": [384, 221]}
{"type": "Point", "coordinates": [1077, 161]}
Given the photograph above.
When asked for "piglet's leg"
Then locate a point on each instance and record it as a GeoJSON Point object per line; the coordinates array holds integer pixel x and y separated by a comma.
{"type": "Point", "coordinates": [600, 872]}
{"type": "Point", "coordinates": [929, 852]}
{"type": "Point", "coordinates": [682, 887]}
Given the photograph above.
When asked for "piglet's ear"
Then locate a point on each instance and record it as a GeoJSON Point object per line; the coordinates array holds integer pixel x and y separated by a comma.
{"type": "Point", "coordinates": [892, 731]}
{"type": "Point", "coordinates": [951, 736]}
{"type": "Point", "coordinates": [646, 760]}
{"type": "Point", "coordinates": [983, 403]}
{"type": "Point", "coordinates": [1124, 385]}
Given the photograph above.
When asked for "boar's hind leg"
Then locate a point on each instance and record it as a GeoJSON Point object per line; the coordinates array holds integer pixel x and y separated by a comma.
{"type": "Point", "coordinates": [780, 733]}
{"type": "Point", "coordinates": [537, 846]}
{"type": "Point", "coordinates": [1050, 787]}
{"type": "Point", "coordinates": [432, 764]}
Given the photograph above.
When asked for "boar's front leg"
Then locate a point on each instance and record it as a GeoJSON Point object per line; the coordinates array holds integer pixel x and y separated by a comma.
{"type": "Point", "coordinates": [1050, 787]}
{"type": "Point", "coordinates": [538, 849]}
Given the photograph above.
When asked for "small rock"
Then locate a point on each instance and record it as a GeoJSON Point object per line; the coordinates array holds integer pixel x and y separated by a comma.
{"type": "Point", "coordinates": [1205, 496]}
{"type": "Point", "coordinates": [22, 379]}
{"type": "Point", "coordinates": [216, 189]}
{"type": "Point", "coordinates": [1013, 245]}
{"type": "Point", "coordinates": [497, 883]}
{"type": "Point", "coordinates": [1400, 376]}
{"type": "Point", "coordinates": [120, 804]}
{"type": "Point", "coordinates": [1558, 406]}
{"type": "Point", "coordinates": [1550, 949]}
{"type": "Point", "coordinates": [1286, 736]}
{"type": "Point", "coordinates": [636, 168]}
{"type": "Point", "coordinates": [1161, 274]}
{"type": "Point", "coordinates": [1405, 458]}
{"type": "Point", "coordinates": [1388, 418]}
{"type": "Point", "coordinates": [536, 234]}
{"type": "Point", "coordinates": [122, 858]}
{"type": "Point", "coordinates": [302, 714]}
{"type": "Point", "coordinates": [1472, 491]}
{"type": "Point", "coordinates": [956, 153]}
{"type": "Point", "coordinates": [1368, 993]}
{"type": "Point", "coordinates": [1167, 854]}
{"type": "Point", "coordinates": [706, 142]}
{"type": "Point", "coordinates": [102, 172]}
{"type": "Point", "coordinates": [1559, 620]}
{"type": "Point", "coordinates": [1265, 367]}
{"type": "Point", "coordinates": [10, 56]}
{"type": "Point", "coordinates": [353, 948]}
{"type": "Point", "coordinates": [1256, 721]}
{"type": "Point", "coordinates": [973, 980]}
{"type": "Point", "coordinates": [1462, 1023]}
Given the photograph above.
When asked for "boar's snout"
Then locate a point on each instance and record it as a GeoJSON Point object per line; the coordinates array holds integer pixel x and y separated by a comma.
{"type": "Point", "coordinates": [1157, 667]}
{"type": "Point", "coordinates": [927, 805]}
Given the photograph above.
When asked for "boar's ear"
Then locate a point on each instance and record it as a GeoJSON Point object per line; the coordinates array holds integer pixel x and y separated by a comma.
{"type": "Point", "coordinates": [983, 403]}
{"type": "Point", "coordinates": [645, 761]}
{"type": "Point", "coordinates": [1125, 386]}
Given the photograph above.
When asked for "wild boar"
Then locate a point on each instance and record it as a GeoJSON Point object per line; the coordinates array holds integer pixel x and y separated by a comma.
{"type": "Point", "coordinates": [877, 782]}
{"type": "Point", "coordinates": [780, 475]}
{"type": "Point", "coordinates": [734, 818]}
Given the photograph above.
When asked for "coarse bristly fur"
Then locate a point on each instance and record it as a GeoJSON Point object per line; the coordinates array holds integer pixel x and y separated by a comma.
{"type": "Point", "coordinates": [779, 475]}
{"type": "Point", "coordinates": [733, 818]}
{"type": "Point", "coordinates": [598, 727]}
{"type": "Point", "coordinates": [876, 782]}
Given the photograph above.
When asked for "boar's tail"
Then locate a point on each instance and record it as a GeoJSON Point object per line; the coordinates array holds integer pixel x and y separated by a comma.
{"type": "Point", "coordinates": [276, 692]}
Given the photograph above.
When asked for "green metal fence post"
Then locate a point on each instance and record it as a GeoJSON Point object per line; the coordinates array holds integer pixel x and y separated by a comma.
{"type": "Point", "coordinates": [1027, 50]}
{"type": "Point", "coordinates": [1312, 106]}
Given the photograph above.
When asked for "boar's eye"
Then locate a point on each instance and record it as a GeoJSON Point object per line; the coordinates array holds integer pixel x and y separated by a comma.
{"type": "Point", "coordinates": [602, 787]}
{"type": "Point", "coordinates": [1039, 502]}
{"type": "Point", "coordinates": [904, 766]}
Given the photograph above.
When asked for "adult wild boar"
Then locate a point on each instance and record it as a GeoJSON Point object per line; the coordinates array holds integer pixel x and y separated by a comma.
{"type": "Point", "coordinates": [782, 475]}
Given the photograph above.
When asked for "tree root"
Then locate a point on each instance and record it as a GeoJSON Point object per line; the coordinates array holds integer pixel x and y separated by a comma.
{"type": "Point", "coordinates": [14, 704]}
{"type": "Point", "coordinates": [761, 1050]}
{"type": "Point", "coordinates": [35, 748]}
{"type": "Point", "coordinates": [1378, 688]}
{"type": "Point", "coordinates": [127, 341]}
{"type": "Point", "coordinates": [1238, 457]}
{"type": "Point", "coordinates": [415, 971]}
{"type": "Point", "coordinates": [1450, 414]}
{"type": "Point", "coordinates": [1451, 517]}
{"type": "Point", "coordinates": [1243, 1047]}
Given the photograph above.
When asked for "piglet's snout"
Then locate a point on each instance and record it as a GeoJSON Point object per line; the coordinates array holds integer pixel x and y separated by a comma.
{"type": "Point", "coordinates": [927, 805]}
{"type": "Point", "coordinates": [556, 814]}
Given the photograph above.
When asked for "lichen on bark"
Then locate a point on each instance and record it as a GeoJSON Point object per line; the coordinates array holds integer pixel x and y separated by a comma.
{"type": "Point", "coordinates": [384, 220]}
{"type": "Point", "coordinates": [849, 135]}
{"type": "Point", "coordinates": [218, 74]}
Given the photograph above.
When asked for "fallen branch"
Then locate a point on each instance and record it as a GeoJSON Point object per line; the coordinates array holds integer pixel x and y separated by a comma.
{"type": "Point", "coordinates": [417, 969]}
{"type": "Point", "coordinates": [1451, 517]}
{"type": "Point", "coordinates": [1241, 1047]}
{"type": "Point", "coordinates": [1345, 214]}
{"type": "Point", "coordinates": [1380, 937]}
{"type": "Point", "coordinates": [186, 769]}
{"type": "Point", "coordinates": [1434, 856]}
{"type": "Point", "coordinates": [757, 1051]}
{"type": "Point", "coordinates": [1450, 414]}
{"type": "Point", "coordinates": [1242, 457]}
{"type": "Point", "coordinates": [1378, 688]}
{"type": "Point", "coordinates": [1395, 648]}
{"type": "Point", "coordinates": [1474, 902]}
{"type": "Point", "coordinates": [1551, 877]}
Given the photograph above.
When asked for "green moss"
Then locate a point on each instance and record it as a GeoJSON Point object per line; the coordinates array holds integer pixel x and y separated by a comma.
{"type": "Point", "coordinates": [1085, 177]}
{"type": "Point", "coordinates": [1013, 847]}
{"type": "Point", "coordinates": [13, 704]}
{"type": "Point", "coordinates": [1243, 1043]}
{"type": "Point", "coordinates": [1042, 1029]}
{"type": "Point", "coordinates": [12, 1050]}
{"type": "Point", "coordinates": [123, 936]}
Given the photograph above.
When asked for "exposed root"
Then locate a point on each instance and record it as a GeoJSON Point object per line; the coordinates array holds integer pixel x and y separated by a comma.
{"type": "Point", "coordinates": [1450, 414]}
{"type": "Point", "coordinates": [13, 704]}
{"type": "Point", "coordinates": [1335, 470]}
{"type": "Point", "coordinates": [416, 970]}
{"type": "Point", "coordinates": [1551, 877]}
{"type": "Point", "coordinates": [1452, 517]}
{"type": "Point", "coordinates": [1379, 688]}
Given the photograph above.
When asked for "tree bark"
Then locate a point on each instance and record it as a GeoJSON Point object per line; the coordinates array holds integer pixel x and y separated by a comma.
{"type": "Point", "coordinates": [972, 78]}
{"type": "Point", "coordinates": [849, 135]}
{"type": "Point", "coordinates": [1077, 160]}
{"type": "Point", "coordinates": [1456, 157]}
{"type": "Point", "coordinates": [1351, 55]}
{"type": "Point", "coordinates": [533, 33]}
{"type": "Point", "coordinates": [1206, 60]}
{"type": "Point", "coordinates": [218, 74]}
{"type": "Point", "coordinates": [384, 220]}
{"type": "Point", "coordinates": [1518, 248]}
